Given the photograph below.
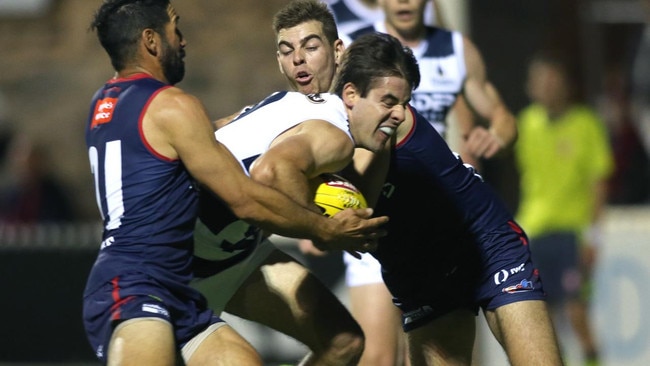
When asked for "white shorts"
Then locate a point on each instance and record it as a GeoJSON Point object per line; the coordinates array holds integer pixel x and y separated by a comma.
{"type": "Point", "coordinates": [364, 271]}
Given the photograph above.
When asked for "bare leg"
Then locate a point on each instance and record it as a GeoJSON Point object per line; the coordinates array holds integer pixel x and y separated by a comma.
{"type": "Point", "coordinates": [285, 296]}
{"type": "Point", "coordinates": [577, 311]}
{"type": "Point", "coordinates": [446, 341]}
{"type": "Point", "coordinates": [526, 333]}
{"type": "Point", "coordinates": [225, 347]}
{"type": "Point", "coordinates": [380, 319]}
{"type": "Point", "coordinates": [142, 342]}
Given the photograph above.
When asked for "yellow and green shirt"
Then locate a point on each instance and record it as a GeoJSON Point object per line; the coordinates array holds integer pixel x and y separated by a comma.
{"type": "Point", "coordinates": [559, 162]}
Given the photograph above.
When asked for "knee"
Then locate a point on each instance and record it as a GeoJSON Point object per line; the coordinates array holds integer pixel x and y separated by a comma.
{"type": "Point", "coordinates": [349, 346]}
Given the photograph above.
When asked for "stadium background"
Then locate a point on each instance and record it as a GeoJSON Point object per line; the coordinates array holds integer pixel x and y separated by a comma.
{"type": "Point", "coordinates": [50, 65]}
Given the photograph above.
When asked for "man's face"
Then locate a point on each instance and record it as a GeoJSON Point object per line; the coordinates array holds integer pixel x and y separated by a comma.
{"type": "Point", "coordinates": [173, 51]}
{"type": "Point", "coordinates": [405, 16]}
{"type": "Point", "coordinates": [307, 58]}
{"type": "Point", "coordinates": [375, 117]}
{"type": "Point", "coordinates": [547, 85]}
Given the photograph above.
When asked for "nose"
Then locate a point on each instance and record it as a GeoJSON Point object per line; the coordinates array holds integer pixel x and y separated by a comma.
{"type": "Point", "coordinates": [399, 113]}
{"type": "Point", "coordinates": [298, 57]}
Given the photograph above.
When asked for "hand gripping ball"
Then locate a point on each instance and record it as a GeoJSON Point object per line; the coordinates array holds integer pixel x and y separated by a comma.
{"type": "Point", "coordinates": [336, 194]}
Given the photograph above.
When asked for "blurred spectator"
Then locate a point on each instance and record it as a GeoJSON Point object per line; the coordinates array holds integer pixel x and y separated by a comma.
{"type": "Point", "coordinates": [30, 193]}
{"type": "Point", "coordinates": [630, 182]}
{"type": "Point", "coordinates": [564, 160]}
{"type": "Point", "coordinates": [641, 87]}
{"type": "Point", "coordinates": [5, 128]}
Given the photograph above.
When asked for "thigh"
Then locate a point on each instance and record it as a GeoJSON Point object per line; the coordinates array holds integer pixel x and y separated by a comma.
{"type": "Point", "coordinates": [142, 341]}
{"type": "Point", "coordinates": [133, 296]}
{"type": "Point", "coordinates": [447, 340]}
{"type": "Point", "coordinates": [282, 294]}
{"type": "Point", "coordinates": [526, 333]}
{"type": "Point", "coordinates": [372, 306]}
{"type": "Point", "coordinates": [222, 345]}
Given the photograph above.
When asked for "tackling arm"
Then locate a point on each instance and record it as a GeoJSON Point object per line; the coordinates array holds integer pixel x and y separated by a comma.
{"type": "Point", "coordinates": [185, 132]}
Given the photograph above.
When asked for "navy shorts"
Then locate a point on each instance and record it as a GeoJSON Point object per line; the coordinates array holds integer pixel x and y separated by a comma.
{"type": "Point", "coordinates": [558, 258]}
{"type": "Point", "coordinates": [496, 271]}
{"type": "Point", "coordinates": [138, 295]}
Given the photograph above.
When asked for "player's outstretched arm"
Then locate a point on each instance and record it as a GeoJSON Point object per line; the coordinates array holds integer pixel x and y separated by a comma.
{"type": "Point", "coordinates": [184, 131]}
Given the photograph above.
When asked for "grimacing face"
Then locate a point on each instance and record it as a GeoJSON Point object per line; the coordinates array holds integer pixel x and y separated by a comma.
{"type": "Point", "coordinates": [375, 117]}
{"type": "Point", "coordinates": [306, 58]}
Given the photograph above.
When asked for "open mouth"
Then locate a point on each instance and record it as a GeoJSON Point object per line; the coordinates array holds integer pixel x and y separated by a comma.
{"type": "Point", "coordinates": [387, 130]}
{"type": "Point", "coordinates": [404, 15]}
{"type": "Point", "coordinates": [303, 77]}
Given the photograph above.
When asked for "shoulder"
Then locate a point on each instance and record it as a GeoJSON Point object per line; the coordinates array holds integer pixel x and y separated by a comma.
{"type": "Point", "coordinates": [530, 114]}
{"type": "Point", "coordinates": [175, 105]}
{"type": "Point", "coordinates": [586, 113]}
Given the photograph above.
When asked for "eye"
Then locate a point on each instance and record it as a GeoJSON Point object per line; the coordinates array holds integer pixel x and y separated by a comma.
{"type": "Point", "coordinates": [313, 45]}
{"type": "Point", "coordinates": [285, 51]}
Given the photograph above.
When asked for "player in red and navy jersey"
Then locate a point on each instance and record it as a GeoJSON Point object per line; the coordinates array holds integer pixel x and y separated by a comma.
{"type": "Point", "coordinates": [148, 143]}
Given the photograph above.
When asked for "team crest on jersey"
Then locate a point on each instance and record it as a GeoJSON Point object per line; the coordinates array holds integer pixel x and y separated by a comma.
{"type": "Point", "coordinates": [315, 98]}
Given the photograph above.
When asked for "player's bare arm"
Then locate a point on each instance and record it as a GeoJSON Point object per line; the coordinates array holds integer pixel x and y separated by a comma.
{"type": "Point", "coordinates": [485, 100]}
{"type": "Point", "coordinates": [180, 128]}
{"type": "Point", "coordinates": [298, 157]}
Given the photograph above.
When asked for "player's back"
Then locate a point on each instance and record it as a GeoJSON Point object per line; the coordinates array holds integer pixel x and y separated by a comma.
{"type": "Point", "coordinates": [253, 132]}
{"type": "Point", "coordinates": [458, 205]}
{"type": "Point", "coordinates": [147, 202]}
{"type": "Point", "coordinates": [222, 238]}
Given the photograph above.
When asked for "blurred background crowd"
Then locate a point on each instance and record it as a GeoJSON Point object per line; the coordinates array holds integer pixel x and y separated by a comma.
{"type": "Point", "coordinates": [51, 64]}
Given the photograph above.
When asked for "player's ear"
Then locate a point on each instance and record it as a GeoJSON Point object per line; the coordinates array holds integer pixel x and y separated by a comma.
{"type": "Point", "coordinates": [350, 94]}
{"type": "Point", "coordinates": [150, 40]}
{"type": "Point", "coordinates": [277, 57]}
{"type": "Point", "coordinates": [339, 47]}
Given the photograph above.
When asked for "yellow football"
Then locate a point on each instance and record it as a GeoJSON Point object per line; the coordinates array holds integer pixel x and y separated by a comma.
{"type": "Point", "coordinates": [336, 194]}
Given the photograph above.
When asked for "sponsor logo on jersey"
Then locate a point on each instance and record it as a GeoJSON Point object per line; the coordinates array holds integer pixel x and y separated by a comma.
{"type": "Point", "coordinates": [103, 111]}
{"type": "Point", "coordinates": [107, 243]}
{"type": "Point", "coordinates": [156, 309]}
{"type": "Point", "coordinates": [415, 315]}
{"type": "Point", "coordinates": [315, 98]}
{"type": "Point", "coordinates": [524, 285]}
{"type": "Point", "coordinates": [501, 276]}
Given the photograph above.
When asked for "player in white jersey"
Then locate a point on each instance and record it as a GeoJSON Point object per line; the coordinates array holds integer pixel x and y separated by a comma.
{"type": "Point", "coordinates": [287, 141]}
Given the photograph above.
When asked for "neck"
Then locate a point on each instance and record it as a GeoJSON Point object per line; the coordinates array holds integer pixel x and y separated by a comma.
{"type": "Point", "coordinates": [410, 38]}
{"type": "Point", "coordinates": [130, 71]}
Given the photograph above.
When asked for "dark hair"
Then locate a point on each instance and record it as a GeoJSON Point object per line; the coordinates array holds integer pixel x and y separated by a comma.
{"type": "Point", "coordinates": [119, 24]}
{"type": "Point", "coordinates": [300, 11]}
{"type": "Point", "coordinates": [375, 55]}
{"type": "Point", "coordinates": [566, 63]}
